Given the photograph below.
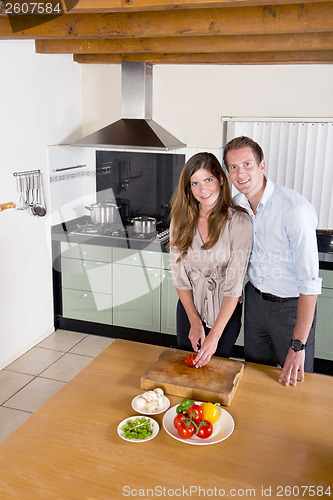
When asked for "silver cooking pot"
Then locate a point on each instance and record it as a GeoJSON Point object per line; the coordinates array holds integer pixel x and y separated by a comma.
{"type": "Point", "coordinates": [144, 224]}
{"type": "Point", "coordinates": [103, 213]}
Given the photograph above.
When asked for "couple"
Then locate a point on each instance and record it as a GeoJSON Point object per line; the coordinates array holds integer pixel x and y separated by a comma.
{"type": "Point", "coordinates": [268, 231]}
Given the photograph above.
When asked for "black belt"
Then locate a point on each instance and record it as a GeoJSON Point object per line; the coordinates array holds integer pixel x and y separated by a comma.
{"type": "Point", "coordinates": [273, 298]}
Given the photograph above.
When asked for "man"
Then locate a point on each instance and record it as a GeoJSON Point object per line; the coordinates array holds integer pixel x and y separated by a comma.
{"type": "Point", "coordinates": [281, 295]}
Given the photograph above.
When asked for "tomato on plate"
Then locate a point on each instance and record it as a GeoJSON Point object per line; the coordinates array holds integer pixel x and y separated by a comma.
{"type": "Point", "coordinates": [205, 429]}
{"type": "Point", "coordinates": [189, 360]}
{"type": "Point", "coordinates": [186, 429]}
{"type": "Point", "coordinates": [178, 419]}
{"type": "Point", "coordinates": [196, 412]}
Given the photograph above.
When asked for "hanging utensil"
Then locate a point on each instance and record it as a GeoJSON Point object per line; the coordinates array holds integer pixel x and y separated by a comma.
{"type": "Point", "coordinates": [21, 201]}
{"type": "Point", "coordinates": [31, 189]}
{"type": "Point", "coordinates": [39, 207]}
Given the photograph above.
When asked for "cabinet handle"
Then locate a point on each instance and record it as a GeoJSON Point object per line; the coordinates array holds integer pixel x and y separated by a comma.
{"type": "Point", "coordinates": [85, 295]}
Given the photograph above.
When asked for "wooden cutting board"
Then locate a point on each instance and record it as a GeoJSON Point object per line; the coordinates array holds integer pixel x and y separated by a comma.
{"type": "Point", "coordinates": [216, 382]}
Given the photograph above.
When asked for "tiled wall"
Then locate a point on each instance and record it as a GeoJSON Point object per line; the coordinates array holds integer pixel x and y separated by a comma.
{"type": "Point", "coordinates": [71, 189]}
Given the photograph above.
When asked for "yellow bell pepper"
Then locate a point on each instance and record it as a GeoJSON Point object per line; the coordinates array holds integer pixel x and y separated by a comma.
{"type": "Point", "coordinates": [210, 412]}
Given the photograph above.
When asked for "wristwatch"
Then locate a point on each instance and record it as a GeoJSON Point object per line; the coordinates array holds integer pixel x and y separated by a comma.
{"type": "Point", "coordinates": [297, 345]}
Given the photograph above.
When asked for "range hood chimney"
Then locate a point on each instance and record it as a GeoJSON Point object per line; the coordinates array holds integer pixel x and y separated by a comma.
{"type": "Point", "coordinates": [136, 129]}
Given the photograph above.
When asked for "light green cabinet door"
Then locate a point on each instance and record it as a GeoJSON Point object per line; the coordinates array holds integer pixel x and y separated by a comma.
{"type": "Point", "coordinates": [169, 299]}
{"type": "Point", "coordinates": [136, 297]}
{"type": "Point", "coordinates": [87, 306]}
{"type": "Point", "coordinates": [140, 258]}
{"type": "Point", "coordinates": [86, 275]}
{"type": "Point", "coordinates": [324, 326]}
{"type": "Point", "coordinates": [86, 252]}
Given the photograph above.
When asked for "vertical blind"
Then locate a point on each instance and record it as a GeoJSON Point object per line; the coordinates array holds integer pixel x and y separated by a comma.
{"type": "Point", "coordinates": [298, 154]}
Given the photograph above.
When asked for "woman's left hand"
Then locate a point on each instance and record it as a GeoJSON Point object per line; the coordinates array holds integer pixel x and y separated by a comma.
{"type": "Point", "coordinates": [208, 349]}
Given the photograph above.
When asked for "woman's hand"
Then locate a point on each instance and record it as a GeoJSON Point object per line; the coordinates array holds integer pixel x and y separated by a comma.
{"type": "Point", "coordinates": [197, 335]}
{"type": "Point", "coordinates": [208, 349]}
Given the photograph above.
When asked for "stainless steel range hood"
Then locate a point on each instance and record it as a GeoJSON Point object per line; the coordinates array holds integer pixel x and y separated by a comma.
{"type": "Point", "coordinates": [136, 130]}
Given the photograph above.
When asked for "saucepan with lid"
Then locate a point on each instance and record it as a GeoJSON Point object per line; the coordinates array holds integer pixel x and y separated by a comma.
{"type": "Point", "coordinates": [103, 213]}
{"type": "Point", "coordinates": [144, 224]}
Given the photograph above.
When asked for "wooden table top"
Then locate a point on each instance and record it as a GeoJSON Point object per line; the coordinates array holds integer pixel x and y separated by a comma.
{"type": "Point", "coordinates": [282, 445]}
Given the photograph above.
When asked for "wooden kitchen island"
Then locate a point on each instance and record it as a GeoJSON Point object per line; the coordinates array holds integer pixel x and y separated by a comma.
{"type": "Point", "coordinates": [282, 445]}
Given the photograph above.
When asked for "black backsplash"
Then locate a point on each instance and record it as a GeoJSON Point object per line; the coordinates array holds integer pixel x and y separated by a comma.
{"type": "Point", "coordinates": [140, 183]}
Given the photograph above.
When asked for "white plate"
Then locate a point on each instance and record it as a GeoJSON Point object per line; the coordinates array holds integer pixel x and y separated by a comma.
{"type": "Point", "coordinates": [166, 404]}
{"type": "Point", "coordinates": [222, 429]}
{"type": "Point", "coordinates": [156, 429]}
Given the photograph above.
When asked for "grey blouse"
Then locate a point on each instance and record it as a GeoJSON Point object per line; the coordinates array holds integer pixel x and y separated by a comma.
{"type": "Point", "coordinates": [218, 272]}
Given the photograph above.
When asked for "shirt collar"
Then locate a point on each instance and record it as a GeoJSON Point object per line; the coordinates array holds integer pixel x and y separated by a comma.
{"type": "Point", "coordinates": [267, 193]}
{"type": "Point", "coordinates": [242, 201]}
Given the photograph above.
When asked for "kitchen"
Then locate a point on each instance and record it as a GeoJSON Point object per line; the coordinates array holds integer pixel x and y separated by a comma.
{"type": "Point", "coordinates": [34, 233]}
{"type": "Point", "coordinates": [61, 101]}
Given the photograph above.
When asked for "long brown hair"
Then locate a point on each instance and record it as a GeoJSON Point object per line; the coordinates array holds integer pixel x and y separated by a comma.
{"type": "Point", "coordinates": [185, 208]}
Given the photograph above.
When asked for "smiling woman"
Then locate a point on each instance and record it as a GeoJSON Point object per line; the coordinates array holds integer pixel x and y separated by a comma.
{"type": "Point", "coordinates": [210, 245]}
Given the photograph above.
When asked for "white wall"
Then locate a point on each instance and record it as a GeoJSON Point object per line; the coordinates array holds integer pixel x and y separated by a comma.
{"type": "Point", "coordinates": [40, 104]}
{"type": "Point", "coordinates": [189, 100]}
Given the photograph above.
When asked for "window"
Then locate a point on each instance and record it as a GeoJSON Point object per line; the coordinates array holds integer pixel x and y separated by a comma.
{"type": "Point", "coordinates": [298, 154]}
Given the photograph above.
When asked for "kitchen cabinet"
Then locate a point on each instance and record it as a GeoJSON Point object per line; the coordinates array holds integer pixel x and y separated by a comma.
{"type": "Point", "coordinates": [118, 286]}
{"type": "Point", "coordinates": [87, 306]}
{"type": "Point", "coordinates": [86, 282]}
{"type": "Point", "coordinates": [86, 252]}
{"type": "Point", "coordinates": [136, 284]}
{"type": "Point", "coordinates": [324, 326]}
{"type": "Point", "coordinates": [136, 300]}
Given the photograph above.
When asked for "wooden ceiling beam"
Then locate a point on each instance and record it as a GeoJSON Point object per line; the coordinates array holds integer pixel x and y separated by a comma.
{"type": "Point", "coordinates": [100, 6]}
{"type": "Point", "coordinates": [186, 45]}
{"type": "Point", "coordinates": [186, 22]}
{"type": "Point", "coordinates": [251, 58]}
{"type": "Point", "coordinates": [107, 6]}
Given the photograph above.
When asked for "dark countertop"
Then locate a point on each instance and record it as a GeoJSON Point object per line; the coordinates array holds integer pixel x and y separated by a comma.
{"type": "Point", "coordinates": [63, 232]}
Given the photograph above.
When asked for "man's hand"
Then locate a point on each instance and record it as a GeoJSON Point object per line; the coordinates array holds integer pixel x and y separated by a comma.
{"type": "Point", "coordinates": [294, 362]}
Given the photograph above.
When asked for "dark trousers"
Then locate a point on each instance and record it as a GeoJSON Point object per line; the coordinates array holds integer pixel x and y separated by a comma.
{"type": "Point", "coordinates": [227, 340]}
{"type": "Point", "coordinates": [268, 330]}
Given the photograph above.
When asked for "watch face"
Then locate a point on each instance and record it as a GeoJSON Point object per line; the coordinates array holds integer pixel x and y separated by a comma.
{"type": "Point", "coordinates": [297, 345]}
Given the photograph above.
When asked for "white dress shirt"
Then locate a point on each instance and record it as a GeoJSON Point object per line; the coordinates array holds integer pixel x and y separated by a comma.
{"type": "Point", "coordinates": [284, 258]}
